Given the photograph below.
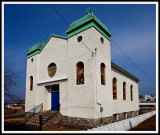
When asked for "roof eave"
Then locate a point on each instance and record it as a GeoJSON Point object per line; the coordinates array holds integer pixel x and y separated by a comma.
{"type": "Point", "coordinates": [92, 19]}
{"type": "Point", "coordinates": [113, 65]}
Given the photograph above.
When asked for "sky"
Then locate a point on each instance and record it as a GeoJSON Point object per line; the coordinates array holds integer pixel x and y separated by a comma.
{"type": "Point", "coordinates": [132, 26]}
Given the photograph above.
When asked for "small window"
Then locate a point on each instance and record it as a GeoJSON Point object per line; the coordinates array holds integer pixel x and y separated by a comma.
{"type": "Point", "coordinates": [131, 90]}
{"type": "Point", "coordinates": [31, 83]}
{"type": "Point", "coordinates": [137, 113]}
{"type": "Point", "coordinates": [114, 83]}
{"type": "Point", "coordinates": [102, 40]}
{"type": "Point", "coordinates": [80, 73]}
{"type": "Point", "coordinates": [32, 60]}
{"type": "Point", "coordinates": [124, 90]}
{"type": "Point", "coordinates": [52, 69]}
{"type": "Point", "coordinates": [115, 117]}
{"type": "Point", "coordinates": [79, 39]}
{"type": "Point", "coordinates": [125, 115]}
{"type": "Point", "coordinates": [103, 74]}
{"type": "Point", "coordinates": [132, 113]}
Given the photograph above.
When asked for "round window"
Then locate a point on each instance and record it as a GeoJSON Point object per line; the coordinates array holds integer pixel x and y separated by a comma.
{"type": "Point", "coordinates": [102, 40]}
{"type": "Point", "coordinates": [79, 39]}
{"type": "Point", "coordinates": [52, 69]}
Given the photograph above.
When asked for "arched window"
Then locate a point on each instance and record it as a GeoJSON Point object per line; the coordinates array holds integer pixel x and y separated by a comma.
{"type": "Point", "coordinates": [31, 82]}
{"type": "Point", "coordinates": [131, 88]}
{"type": "Point", "coordinates": [103, 74]}
{"type": "Point", "coordinates": [80, 73]}
{"type": "Point", "coordinates": [124, 90]}
{"type": "Point", "coordinates": [114, 88]}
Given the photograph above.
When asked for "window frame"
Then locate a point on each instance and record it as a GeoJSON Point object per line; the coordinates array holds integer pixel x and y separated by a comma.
{"type": "Point", "coordinates": [131, 92]}
{"type": "Point", "coordinates": [79, 38]}
{"type": "Point", "coordinates": [80, 73]}
{"type": "Point", "coordinates": [103, 73]}
{"type": "Point", "coordinates": [49, 67]}
{"type": "Point", "coordinates": [114, 85]}
{"type": "Point", "coordinates": [31, 83]}
{"type": "Point", "coordinates": [124, 90]}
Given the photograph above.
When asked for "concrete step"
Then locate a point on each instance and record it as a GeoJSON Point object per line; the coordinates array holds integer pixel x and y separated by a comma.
{"type": "Point", "coordinates": [54, 120]}
{"type": "Point", "coordinates": [48, 115]}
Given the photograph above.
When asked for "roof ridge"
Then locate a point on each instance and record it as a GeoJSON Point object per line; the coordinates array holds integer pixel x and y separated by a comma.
{"type": "Point", "coordinates": [84, 20]}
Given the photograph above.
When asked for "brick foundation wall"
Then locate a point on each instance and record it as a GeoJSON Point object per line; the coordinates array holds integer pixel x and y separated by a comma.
{"type": "Point", "coordinates": [98, 122]}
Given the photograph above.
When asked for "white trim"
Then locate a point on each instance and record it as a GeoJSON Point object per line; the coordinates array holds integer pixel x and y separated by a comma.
{"type": "Point", "coordinates": [52, 82]}
{"type": "Point", "coordinates": [147, 103]}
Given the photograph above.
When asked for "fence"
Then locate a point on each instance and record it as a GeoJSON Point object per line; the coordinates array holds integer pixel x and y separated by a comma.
{"type": "Point", "coordinates": [8, 126]}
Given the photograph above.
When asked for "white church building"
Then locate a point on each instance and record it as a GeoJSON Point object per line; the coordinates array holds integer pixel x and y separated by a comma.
{"type": "Point", "coordinates": [75, 75]}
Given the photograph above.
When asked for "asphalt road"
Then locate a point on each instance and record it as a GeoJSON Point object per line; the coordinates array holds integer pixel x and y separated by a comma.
{"type": "Point", "coordinates": [19, 112]}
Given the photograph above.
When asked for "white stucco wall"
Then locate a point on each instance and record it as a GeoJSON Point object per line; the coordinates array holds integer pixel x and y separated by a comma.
{"type": "Point", "coordinates": [81, 97]}
{"type": "Point", "coordinates": [55, 51]}
{"type": "Point", "coordinates": [31, 96]}
{"type": "Point", "coordinates": [103, 93]}
{"type": "Point", "coordinates": [79, 100]}
{"type": "Point", "coordinates": [121, 105]}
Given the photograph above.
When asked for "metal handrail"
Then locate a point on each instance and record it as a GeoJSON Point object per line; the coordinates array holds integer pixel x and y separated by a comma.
{"type": "Point", "coordinates": [34, 111]}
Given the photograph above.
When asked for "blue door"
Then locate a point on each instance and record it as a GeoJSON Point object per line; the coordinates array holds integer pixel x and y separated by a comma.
{"type": "Point", "coordinates": [55, 101]}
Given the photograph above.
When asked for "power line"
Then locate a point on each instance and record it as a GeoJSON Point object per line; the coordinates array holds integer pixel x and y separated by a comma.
{"type": "Point", "coordinates": [125, 53]}
{"type": "Point", "coordinates": [110, 39]}
{"type": "Point", "coordinates": [69, 26]}
{"type": "Point", "coordinates": [132, 60]}
{"type": "Point", "coordinates": [59, 14]}
{"type": "Point", "coordinates": [81, 8]}
{"type": "Point", "coordinates": [87, 46]}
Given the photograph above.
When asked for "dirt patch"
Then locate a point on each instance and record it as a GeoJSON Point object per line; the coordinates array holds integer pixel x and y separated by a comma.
{"type": "Point", "coordinates": [17, 118]}
{"type": "Point", "coordinates": [147, 125]}
{"type": "Point", "coordinates": [64, 126]}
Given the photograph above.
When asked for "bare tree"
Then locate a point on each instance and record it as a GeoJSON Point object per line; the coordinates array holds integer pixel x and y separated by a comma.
{"type": "Point", "coordinates": [11, 79]}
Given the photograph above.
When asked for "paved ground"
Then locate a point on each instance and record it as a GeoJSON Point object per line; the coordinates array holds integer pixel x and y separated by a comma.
{"type": "Point", "coordinates": [147, 125]}
{"type": "Point", "coordinates": [19, 112]}
{"type": "Point", "coordinates": [19, 116]}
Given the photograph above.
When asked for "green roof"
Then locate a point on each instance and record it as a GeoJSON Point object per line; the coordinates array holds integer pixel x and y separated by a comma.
{"type": "Point", "coordinates": [86, 20]}
{"type": "Point", "coordinates": [90, 20]}
{"type": "Point", "coordinates": [38, 47]}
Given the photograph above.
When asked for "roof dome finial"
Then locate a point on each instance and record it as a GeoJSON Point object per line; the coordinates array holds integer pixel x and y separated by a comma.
{"type": "Point", "coordinates": [88, 10]}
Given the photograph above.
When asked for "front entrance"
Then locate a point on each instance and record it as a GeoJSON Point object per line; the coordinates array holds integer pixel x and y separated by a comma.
{"type": "Point", "coordinates": [55, 98]}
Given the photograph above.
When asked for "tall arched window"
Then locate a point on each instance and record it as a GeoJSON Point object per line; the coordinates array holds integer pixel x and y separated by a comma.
{"type": "Point", "coordinates": [131, 88]}
{"type": "Point", "coordinates": [114, 88]}
{"type": "Point", "coordinates": [103, 80]}
{"type": "Point", "coordinates": [31, 82]}
{"type": "Point", "coordinates": [124, 90]}
{"type": "Point", "coordinates": [80, 73]}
